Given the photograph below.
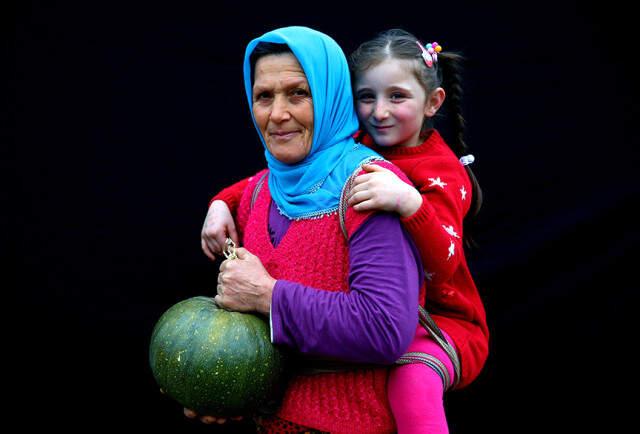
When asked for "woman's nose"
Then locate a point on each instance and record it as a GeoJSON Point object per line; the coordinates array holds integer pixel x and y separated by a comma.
{"type": "Point", "coordinates": [280, 110]}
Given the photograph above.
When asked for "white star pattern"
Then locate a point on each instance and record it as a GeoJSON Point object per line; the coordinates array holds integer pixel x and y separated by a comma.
{"type": "Point", "coordinates": [452, 250]}
{"type": "Point", "coordinates": [438, 182]}
{"type": "Point", "coordinates": [463, 192]}
{"type": "Point", "coordinates": [451, 231]}
{"type": "Point", "coordinates": [428, 275]}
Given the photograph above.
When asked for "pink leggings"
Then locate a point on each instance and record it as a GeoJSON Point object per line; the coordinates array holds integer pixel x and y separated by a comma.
{"type": "Point", "coordinates": [415, 390]}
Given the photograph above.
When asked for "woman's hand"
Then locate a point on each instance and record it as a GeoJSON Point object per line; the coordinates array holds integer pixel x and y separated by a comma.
{"type": "Point", "coordinates": [218, 225]}
{"type": "Point", "coordinates": [244, 285]}
{"type": "Point", "coordinates": [208, 419]}
{"type": "Point", "coordinates": [380, 189]}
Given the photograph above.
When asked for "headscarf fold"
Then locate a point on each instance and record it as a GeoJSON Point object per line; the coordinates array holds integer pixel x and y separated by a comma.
{"type": "Point", "coordinates": [312, 187]}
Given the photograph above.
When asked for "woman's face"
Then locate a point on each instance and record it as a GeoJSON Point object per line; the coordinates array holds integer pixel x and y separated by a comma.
{"type": "Point", "coordinates": [282, 107]}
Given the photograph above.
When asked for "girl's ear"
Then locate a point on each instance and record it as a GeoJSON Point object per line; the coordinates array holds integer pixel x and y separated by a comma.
{"type": "Point", "coordinates": [434, 102]}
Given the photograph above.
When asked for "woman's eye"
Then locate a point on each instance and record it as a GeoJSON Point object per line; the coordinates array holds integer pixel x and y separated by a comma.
{"type": "Point", "coordinates": [262, 96]}
{"type": "Point", "coordinates": [300, 92]}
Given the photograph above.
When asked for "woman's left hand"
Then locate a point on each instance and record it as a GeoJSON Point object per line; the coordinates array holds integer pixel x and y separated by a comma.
{"type": "Point", "coordinates": [244, 285]}
{"type": "Point", "coordinates": [380, 189]}
{"type": "Point", "coordinates": [208, 419]}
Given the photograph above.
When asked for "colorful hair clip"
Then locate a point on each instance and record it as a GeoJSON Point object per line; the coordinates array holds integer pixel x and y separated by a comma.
{"type": "Point", "coordinates": [430, 52]}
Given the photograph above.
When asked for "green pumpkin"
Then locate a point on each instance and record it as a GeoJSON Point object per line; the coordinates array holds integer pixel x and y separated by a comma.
{"type": "Point", "coordinates": [214, 361]}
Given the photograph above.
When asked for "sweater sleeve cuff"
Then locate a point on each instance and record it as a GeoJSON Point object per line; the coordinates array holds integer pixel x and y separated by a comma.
{"type": "Point", "coordinates": [275, 312]}
{"type": "Point", "coordinates": [415, 221]}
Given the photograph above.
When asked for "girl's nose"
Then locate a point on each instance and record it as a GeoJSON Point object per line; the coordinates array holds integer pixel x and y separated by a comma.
{"type": "Point", "coordinates": [380, 111]}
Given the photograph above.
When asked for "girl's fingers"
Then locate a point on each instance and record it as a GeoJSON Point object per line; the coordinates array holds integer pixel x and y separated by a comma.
{"type": "Point", "coordinates": [368, 186]}
{"type": "Point", "coordinates": [213, 243]}
{"type": "Point", "coordinates": [207, 251]}
{"type": "Point", "coordinates": [356, 188]}
{"type": "Point", "coordinates": [189, 413]}
{"type": "Point", "coordinates": [374, 168]}
{"type": "Point", "coordinates": [364, 206]}
{"type": "Point", "coordinates": [221, 240]}
{"type": "Point", "coordinates": [358, 197]}
{"type": "Point", "coordinates": [233, 233]}
{"type": "Point", "coordinates": [361, 179]}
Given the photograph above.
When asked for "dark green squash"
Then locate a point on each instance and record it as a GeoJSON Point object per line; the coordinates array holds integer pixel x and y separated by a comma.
{"type": "Point", "coordinates": [214, 361]}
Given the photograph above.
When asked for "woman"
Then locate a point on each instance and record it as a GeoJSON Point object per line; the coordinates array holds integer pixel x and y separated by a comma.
{"type": "Point", "coordinates": [352, 298]}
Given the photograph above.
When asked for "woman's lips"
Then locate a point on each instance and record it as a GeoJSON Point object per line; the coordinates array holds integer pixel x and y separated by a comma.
{"type": "Point", "coordinates": [283, 135]}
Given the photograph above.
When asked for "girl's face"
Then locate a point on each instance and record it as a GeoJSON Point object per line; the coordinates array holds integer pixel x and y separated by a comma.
{"type": "Point", "coordinates": [391, 103]}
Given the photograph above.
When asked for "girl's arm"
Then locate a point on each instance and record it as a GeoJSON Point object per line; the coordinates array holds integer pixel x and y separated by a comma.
{"type": "Point", "coordinates": [432, 211]}
{"type": "Point", "coordinates": [436, 227]}
{"type": "Point", "coordinates": [231, 195]}
{"type": "Point", "coordinates": [220, 221]}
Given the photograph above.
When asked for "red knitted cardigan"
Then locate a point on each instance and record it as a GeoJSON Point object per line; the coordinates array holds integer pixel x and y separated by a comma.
{"type": "Point", "coordinates": [314, 252]}
{"type": "Point", "coordinates": [452, 297]}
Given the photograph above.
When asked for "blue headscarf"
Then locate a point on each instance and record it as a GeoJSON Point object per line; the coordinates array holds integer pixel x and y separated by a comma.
{"type": "Point", "coordinates": [312, 186]}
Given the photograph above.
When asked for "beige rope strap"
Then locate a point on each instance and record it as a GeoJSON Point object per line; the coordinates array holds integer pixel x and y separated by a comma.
{"type": "Point", "coordinates": [342, 204]}
{"type": "Point", "coordinates": [427, 359]}
{"type": "Point", "coordinates": [425, 319]}
{"type": "Point", "coordinates": [430, 325]}
{"type": "Point", "coordinates": [257, 188]}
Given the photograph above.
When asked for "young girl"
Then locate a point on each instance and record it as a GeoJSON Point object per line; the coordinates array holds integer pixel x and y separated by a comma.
{"type": "Point", "coordinates": [400, 84]}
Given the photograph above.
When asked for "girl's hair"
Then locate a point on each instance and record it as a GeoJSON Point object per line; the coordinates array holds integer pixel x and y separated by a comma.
{"type": "Point", "coordinates": [265, 49]}
{"type": "Point", "coordinates": [445, 73]}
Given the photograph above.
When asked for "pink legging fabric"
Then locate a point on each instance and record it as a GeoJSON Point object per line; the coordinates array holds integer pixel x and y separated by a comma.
{"type": "Point", "coordinates": [415, 390]}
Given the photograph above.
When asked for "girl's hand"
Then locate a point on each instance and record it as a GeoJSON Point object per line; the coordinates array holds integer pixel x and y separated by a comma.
{"type": "Point", "coordinates": [380, 189]}
{"type": "Point", "coordinates": [244, 285]}
{"type": "Point", "coordinates": [218, 225]}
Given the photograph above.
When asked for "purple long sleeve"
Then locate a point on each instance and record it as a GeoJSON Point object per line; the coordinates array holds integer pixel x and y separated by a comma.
{"type": "Point", "coordinates": [376, 320]}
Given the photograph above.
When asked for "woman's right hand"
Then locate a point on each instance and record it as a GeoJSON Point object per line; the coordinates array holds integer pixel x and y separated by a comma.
{"type": "Point", "coordinates": [218, 225]}
{"type": "Point", "coordinates": [208, 419]}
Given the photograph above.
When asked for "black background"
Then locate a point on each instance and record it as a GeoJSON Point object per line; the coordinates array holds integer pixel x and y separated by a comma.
{"type": "Point", "coordinates": [128, 116]}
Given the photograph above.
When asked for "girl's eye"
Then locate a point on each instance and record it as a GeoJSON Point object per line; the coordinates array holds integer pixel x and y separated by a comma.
{"type": "Point", "coordinates": [366, 97]}
{"type": "Point", "coordinates": [396, 96]}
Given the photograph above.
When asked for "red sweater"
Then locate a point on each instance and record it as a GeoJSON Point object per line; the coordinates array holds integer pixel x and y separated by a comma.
{"type": "Point", "coordinates": [452, 297]}
{"type": "Point", "coordinates": [347, 402]}
{"type": "Point", "coordinates": [436, 228]}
